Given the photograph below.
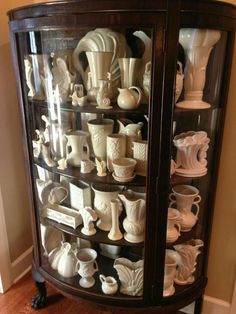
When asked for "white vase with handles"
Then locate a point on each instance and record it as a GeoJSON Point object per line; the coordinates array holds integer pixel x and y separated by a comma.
{"type": "Point", "coordinates": [77, 147]}
{"type": "Point", "coordinates": [185, 197]}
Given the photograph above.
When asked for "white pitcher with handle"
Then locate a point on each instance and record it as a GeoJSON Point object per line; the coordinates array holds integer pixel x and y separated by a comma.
{"type": "Point", "coordinates": [129, 98]}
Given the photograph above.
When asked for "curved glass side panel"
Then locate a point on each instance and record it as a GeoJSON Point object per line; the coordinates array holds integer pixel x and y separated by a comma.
{"type": "Point", "coordinates": [195, 133]}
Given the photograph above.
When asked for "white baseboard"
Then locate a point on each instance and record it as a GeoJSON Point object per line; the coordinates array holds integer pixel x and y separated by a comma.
{"type": "Point", "coordinates": [215, 306]}
{"type": "Point", "coordinates": [21, 265]}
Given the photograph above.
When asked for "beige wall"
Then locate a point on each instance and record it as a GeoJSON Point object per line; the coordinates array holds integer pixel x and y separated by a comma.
{"type": "Point", "coordinates": [222, 261]}
{"type": "Point", "coordinates": [12, 178]}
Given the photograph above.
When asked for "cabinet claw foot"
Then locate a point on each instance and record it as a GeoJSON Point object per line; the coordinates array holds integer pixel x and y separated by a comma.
{"type": "Point", "coordinates": [40, 299]}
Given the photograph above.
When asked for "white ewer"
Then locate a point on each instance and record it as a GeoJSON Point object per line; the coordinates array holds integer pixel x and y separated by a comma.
{"type": "Point", "coordinates": [134, 223]}
{"type": "Point", "coordinates": [191, 153]}
{"type": "Point", "coordinates": [197, 44]}
{"type": "Point", "coordinates": [99, 129]}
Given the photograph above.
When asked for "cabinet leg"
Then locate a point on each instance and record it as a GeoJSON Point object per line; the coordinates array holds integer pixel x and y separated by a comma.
{"type": "Point", "coordinates": [198, 305]}
{"type": "Point", "coordinates": [39, 300]}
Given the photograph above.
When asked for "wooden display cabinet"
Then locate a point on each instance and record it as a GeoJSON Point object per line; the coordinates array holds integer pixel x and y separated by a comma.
{"type": "Point", "coordinates": [61, 47]}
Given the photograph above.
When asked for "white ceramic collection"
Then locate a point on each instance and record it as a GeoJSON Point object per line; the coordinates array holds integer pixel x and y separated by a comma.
{"type": "Point", "coordinates": [124, 154]}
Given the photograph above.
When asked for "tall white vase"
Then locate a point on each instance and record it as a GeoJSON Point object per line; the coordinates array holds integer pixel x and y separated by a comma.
{"type": "Point", "coordinates": [115, 233]}
{"type": "Point", "coordinates": [99, 64]}
{"type": "Point", "coordinates": [102, 204]}
{"type": "Point", "coordinates": [191, 153]}
{"type": "Point", "coordinates": [129, 71]}
{"type": "Point", "coordinates": [116, 148]}
{"type": "Point", "coordinates": [99, 129]}
{"type": "Point", "coordinates": [197, 44]}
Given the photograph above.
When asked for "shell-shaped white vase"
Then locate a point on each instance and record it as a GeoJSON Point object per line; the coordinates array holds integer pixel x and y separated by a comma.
{"type": "Point", "coordinates": [188, 253]}
{"type": "Point", "coordinates": [130, 275]}
{"type": "Point", "coordinates": [191, 153]}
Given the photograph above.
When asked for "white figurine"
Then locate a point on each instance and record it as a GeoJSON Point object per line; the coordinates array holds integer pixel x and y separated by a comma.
{"type": "Point", "coordinates": [101, 167]}
{"type": "Point", "coordinates": [88, 215]}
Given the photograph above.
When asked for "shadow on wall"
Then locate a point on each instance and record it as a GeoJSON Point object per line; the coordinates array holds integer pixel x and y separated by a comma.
{"type": "Point", "coordinates": [12, 179]}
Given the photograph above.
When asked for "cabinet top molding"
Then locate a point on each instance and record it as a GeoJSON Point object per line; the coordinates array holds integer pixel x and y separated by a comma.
{"type": "Point", "coordinates": [88, 6]}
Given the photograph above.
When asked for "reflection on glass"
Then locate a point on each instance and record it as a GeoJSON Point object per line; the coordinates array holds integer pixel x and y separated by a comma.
{"type": "Point", "coordinates": [87, 92]}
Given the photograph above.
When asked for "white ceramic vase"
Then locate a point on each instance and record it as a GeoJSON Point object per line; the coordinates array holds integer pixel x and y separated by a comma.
{"type": "Point", "coordinates": [140, 154]}
{"type": "Point", "coordinates": [129, 71]}
{"type": "Point", "coordinates": [130, 275]}
{"type": "Point", "coordinates": [185, 197]}
{"type": "Point", "coordinates": [187, 261]}
{"type": "Point", "coordinates": [87, 267]}
{"type": "Point", "coordinates": [88, 216]}
{"type": "Point", "coordinates": [197, 44]}
{"type": "Point", "coordinates": [173, 225]}
{"type": "Point", "coordinates": [102, 204]}
{"type": "Point", "coordinates": [99, 129]}
{"type": "Point", "coordinates": [77, 147]}
{"type": "Point", "coordinates": [169, 274]}
{"type": "Point", "coordinates": [115, 233]}
{"type": "Point", "coordinates": [116, 148]}
{"type": "Point", "coordinates": [191, 153]}
{"type": "Point", "coordinates": [68, 263]}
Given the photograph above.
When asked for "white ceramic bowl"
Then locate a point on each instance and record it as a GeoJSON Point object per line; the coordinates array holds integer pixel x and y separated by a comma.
{"type": "Point", "coordinates": [124, 167]}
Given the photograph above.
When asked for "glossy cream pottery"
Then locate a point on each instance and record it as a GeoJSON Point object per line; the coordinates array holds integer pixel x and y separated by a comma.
{"type": "Point", "coordinates": [129, 98]}
{"type": "Point", "coordinates": [109, 284]}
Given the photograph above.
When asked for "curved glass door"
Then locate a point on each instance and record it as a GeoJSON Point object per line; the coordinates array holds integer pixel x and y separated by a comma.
{"type": "Point", "coordinates": [196, 124]}
{"type": "Point", "coordinates": [87, 100]}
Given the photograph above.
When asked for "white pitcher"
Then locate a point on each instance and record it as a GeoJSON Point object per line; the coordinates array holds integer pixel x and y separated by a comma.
{"type": "Point", "coordinates": [129, 98]}
{"type": "Point", "coordinates": [134, 223]}
{"type": "Point", "coordinates": [132, 132]}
